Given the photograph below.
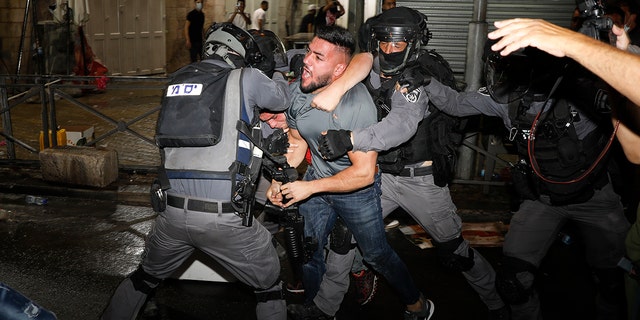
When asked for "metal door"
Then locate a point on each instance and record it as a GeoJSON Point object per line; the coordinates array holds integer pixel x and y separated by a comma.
{"type": "Point", "coordinates": [449, 21]}
{"type": "Point", "coordinates": [128, 35]}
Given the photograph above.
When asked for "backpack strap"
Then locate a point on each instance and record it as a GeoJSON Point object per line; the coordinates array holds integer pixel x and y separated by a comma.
{"type": "Point", "coordinates": [244, 176]}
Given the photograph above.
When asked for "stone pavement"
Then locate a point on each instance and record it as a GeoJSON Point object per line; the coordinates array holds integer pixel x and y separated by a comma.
{"type": "Point", "coordinates": [70, 254]}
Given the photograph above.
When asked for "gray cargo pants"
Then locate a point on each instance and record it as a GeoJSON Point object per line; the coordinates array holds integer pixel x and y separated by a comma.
{"type": "Point", "coordinates": [431, 206]}
{"type": "Point", "coordinates": [246, 252]}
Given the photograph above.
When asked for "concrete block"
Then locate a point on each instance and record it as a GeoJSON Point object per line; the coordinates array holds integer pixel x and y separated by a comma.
{"type": "Point", "coordinates": [95, 167]}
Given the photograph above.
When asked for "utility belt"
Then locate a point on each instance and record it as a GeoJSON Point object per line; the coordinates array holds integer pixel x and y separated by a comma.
{"type": "Point", "coordinates": [413, 172]}
{"type": "Point", "coordinates": [200, 205]}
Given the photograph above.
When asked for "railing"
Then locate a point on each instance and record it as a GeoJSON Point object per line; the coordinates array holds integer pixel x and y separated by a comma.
{"type": "Point", "coordinates": [124, 118]}
{"type": "Point", "coordinates": [122, 110]}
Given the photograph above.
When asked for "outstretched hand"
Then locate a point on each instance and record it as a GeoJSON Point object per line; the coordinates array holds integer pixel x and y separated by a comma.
{"type": "Point", "coordinates": [335, 143]}
{"type": "Point", "coordinates": [519, 33]}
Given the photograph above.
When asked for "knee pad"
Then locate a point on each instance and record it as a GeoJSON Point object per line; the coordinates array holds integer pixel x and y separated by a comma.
{"type": "Point", "coordinates": [510, 289]}
{"type": "Point", "coordinates": [449, 259]}
{"type": "Point", "coordinates": [340, 238]}
{"type": "Point", "coordinates": [143, 281]}
{"type": "Point", "coordinates": [272, 293]}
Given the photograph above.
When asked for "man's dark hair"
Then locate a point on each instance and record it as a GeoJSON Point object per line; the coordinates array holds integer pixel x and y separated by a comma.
{"type": "Point", "coordinates": [264, 2]}
{"type": "Point", "coordinates": [338, 36]}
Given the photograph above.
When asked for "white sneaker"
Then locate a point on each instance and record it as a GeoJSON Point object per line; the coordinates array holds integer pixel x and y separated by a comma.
{"type": "Point", "coordinates": [392, 224]}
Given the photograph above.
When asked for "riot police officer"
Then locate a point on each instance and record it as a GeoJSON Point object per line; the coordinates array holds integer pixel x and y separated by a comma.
{"type": "Point", "coordinates": [210, 189]}
{"type": "Point", "coordinates": [550, 108]}
{"type": "Point", "coordinates": [420, 156]}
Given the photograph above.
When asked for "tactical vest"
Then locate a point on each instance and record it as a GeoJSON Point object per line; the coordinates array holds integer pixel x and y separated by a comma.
{"type": "Point", "coordinates": [558, 153]}
{"type": "Point", "coordinates": [231, 150]}
{"type": "Point", "coordinates": [436, 137]}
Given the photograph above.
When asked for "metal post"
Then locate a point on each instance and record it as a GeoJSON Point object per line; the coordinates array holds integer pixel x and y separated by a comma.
{"type": "Point", "coordinates": [6, 119]}
{"type": "Point", "coordinates": [475, 45]}
{"type": "Point", "coordinates": [24, 31]}
{"type": "Point", "coordinates": [473, 73]}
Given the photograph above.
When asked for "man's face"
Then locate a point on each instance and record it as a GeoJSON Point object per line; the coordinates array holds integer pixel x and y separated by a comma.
{"type": "Point", "coordinates": [392, 47]}
{"type": "Point", "coordinates": [323, 63]}
{"type": "Point", "coordinates": [265, 6]}
{"type": "Point", "coordinates": [240, 6]}
{"type": "Point", "coordinates": [274, 120]}
{"type": "Point", "coordinates": [388, 4]}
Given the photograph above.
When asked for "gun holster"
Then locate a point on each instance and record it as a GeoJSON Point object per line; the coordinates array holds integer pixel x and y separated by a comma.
{"type": "Point", "coordinates": [158, 197]}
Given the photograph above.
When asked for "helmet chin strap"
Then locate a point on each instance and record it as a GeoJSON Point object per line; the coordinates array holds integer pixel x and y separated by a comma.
{"type": "Point", "coordinates": [223, 52]}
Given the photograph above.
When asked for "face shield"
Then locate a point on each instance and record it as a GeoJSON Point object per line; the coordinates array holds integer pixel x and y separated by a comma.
{"type": "Point", "coordinates": [528, 71]}
{"type": "Point", "coordinates": [508, 78]}
{"type": "Point", "coordinates": [269, 41]}
{"type": "Point", "coordinates": [399, 24]}
{"type": "Point", "coordinates": [392, 63]}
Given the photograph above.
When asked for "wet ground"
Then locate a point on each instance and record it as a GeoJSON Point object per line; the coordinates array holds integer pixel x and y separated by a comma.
{"type": "Point", "coordinates": [70, 254]}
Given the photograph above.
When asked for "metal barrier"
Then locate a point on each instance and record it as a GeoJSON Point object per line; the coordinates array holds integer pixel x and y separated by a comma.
{"type": "Point", "coordinates": [48, 89]}
{"type": "Point", "coordinates": [136, 156]}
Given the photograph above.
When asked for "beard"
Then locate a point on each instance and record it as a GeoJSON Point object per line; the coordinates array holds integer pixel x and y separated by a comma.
{"type": "Point", "coordinates": [322, 82]}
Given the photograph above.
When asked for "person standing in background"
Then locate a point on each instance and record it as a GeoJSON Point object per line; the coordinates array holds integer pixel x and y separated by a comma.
{"type": "Point", "coordinates": [306, 25]}
{"type": "Point", "coordinates": [240, 18]}
{"type": "Point", "coordinates": [329, 13]}
{"type": "Point", "coordinates": [193, 31]}
{"type": "Point", "coordinates": [259, 16]}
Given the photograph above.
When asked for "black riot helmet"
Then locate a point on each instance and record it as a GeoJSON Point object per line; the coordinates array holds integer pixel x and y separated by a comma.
{"type": "Point", "coordinates": [222, 37]}
{"type": "Point", "coordinates": [270, 44]}
{"type": "Point", "coordinates": [399, 24]}
{"type": "Point", "coordinates": [526, 71]}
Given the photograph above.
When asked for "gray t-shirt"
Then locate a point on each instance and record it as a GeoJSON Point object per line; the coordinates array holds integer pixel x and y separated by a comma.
{"type": "Point", "coordinates": [355, 110]}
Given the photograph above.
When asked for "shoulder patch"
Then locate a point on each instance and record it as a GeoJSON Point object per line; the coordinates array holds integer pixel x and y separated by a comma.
{"type": "Point", "coordinates": [412, 96]}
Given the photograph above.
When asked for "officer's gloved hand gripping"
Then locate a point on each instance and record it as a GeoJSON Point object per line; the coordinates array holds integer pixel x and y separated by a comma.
{"type": "Point", "coordinates": [335, 144]}
{"type": "Point", "coordinates": [414, 76]}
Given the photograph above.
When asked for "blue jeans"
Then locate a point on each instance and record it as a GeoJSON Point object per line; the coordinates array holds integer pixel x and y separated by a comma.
{"type": "Point", "coordinates": [15, 306]}
{"type": "Point", "coordinates": [362, 213]}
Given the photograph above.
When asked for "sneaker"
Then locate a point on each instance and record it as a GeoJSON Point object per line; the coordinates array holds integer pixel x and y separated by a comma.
{"type": "Point", "coordinates": [500, 314]}
{"type": "Point", "coordinates": [392, 224]}
{"type": "Point", "coordinates": [307, 312]}
{"type": "Point", "coordinates": [425, 314]}
{"type": "Point", "coordinates": [366, 282]}
{"type": "Point", "coordinates": [295, 287]}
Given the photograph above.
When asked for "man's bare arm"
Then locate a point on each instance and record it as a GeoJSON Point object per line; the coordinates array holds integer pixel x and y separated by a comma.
{"type": "Point", "coordinates": [360, 174]}
{"type": "Point", "coordinates": [296, 156]}
{"type": "Point", "coordinates": [358, 69]}
{"type": "Point", "coordinates": [630, 142]}
{"type": "Point", "coordinates": [618, 68]}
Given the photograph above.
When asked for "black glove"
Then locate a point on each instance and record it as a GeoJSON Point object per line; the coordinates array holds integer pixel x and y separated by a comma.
{"type": "Point", "coordinates": [267, 66]}
{"type": "Point", "coordinates": [335, 144]}
{"type": "Point", "coordinates": [296, 65]}
{"type": "Point", "coordinates": [414, 77]}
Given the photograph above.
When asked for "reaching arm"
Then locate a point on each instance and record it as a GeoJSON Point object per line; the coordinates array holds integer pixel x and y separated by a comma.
{"type": "Point", "coordinates": [618, 68]}
{"type": "Point", "coordinates": [296, 157]}
{"type": "Point", "coordinates": [358, 69]}
{"type": "Point", "coordinates": [395, 128]}
{"type": "Point", "coordinates": [360, 174]}
{"type": "Point", "coordinates": [630, 142]}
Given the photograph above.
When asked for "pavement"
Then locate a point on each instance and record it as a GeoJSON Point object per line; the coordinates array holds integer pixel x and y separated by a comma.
{"type": "Point", "coordinates": [70, 254]}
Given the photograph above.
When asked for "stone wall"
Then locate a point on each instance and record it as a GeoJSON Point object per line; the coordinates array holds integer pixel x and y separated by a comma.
{"type": "Point", "coordinates": [12, 17]}
{"type": "Point", "coordinates": [176, 11]}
